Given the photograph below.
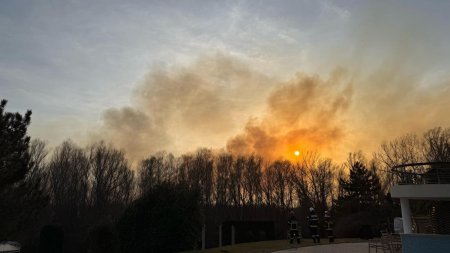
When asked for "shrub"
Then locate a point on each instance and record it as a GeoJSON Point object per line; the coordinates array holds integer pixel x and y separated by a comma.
{"type": "Point", "coordinates": [165, 219]}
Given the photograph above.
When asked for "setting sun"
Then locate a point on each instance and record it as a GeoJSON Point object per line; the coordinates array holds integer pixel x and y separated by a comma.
{"type": "Point", "coordinates": [297, 153]}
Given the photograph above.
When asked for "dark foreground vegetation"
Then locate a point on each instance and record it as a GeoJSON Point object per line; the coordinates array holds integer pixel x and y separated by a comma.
{"type": "Point", "coordinates": [89, 199]}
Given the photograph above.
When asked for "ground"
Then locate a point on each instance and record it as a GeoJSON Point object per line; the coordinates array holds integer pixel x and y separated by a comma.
{"type": "Point", "coordinates": [360, 247]}
{"type": "Point", "coordinates": [277, 245]}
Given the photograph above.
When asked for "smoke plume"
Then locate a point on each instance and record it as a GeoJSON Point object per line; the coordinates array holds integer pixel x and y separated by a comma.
{"type": "Point", "coordinates": [179, 109]}
{"type": "Point", "coordinates": [306, 113]}
{"type": "Point", "coordinates": [221, 102]}
{"type": "Point", "coordinates": [389, 80]}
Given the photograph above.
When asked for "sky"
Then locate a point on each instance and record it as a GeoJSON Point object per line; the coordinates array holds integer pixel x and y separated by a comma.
{"type": "Point", "coordinates": [265, 77]}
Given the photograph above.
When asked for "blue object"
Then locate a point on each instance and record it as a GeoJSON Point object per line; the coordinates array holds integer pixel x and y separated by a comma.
{"type": "Point", "coordinates": [425, 243]}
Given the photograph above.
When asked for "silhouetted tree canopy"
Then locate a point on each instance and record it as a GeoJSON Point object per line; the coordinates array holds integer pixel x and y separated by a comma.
{"type": "Point", "coordinates": [92, 194]}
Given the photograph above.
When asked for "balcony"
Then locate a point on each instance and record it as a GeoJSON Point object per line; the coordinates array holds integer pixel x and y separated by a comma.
{"type": "Point", "coordinates": [422, 181]}
{"type": "Point", "coordinates": [422, 173]}
{"type": "Point", "coordinates": [425, 181]}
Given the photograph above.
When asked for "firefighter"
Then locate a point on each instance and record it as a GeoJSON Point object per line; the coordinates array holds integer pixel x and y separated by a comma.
{"type": "Point", "coordinates": [313, 221]}
{"type": "Point", "coordinates": [294, 231]}
{"type": "Point", "coordinates": [329, 226]}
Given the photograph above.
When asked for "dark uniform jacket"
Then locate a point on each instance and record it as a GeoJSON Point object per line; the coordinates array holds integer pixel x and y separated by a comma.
{"type": "Point", "coordinates": [293, 223]}
{"type": "Point", "coordinates": [313, 220]}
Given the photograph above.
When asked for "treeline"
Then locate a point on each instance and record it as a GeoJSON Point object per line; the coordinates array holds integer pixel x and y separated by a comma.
{"type": "Point", "coordinates": [91, 191]}
{"type": "Point", "coordinates": [81, 188]}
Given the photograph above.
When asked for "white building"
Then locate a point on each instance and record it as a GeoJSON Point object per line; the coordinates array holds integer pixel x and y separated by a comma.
{"type": "Point", "coordinates": [427, 182]}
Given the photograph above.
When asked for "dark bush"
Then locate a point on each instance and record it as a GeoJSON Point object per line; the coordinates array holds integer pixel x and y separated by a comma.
{"type": "Point", "coordinates": [165, 219]}
{"type": "Point", "coordinates": [103, 239]}
{"type": "Point", "coordinates": [51, 239]}
{"type": "Point", "coordinates": [356, 225]}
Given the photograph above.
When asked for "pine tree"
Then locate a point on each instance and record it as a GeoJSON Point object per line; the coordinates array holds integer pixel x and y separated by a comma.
{"type": "Point", "coordinates": [359, 204]}
{"type": "Point", "coordinates": [21, 196]}
{"type": "Point", "coordinates": [14, 142]}
{"type": "Point", "coordinates": [362, 190]}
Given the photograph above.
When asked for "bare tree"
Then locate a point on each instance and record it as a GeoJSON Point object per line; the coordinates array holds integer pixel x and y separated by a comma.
{"type": "Point", "coordinates": [402, 150]}
{"type": "Point", "coordinates": [315, 181]}
{"type": "Point", "coordinates": [150, 173]}
{"type": "Point", "coordinates": [204, 161]}
{"type": "Point", "coordinates": [156, 169]}
{"type": "Point", "coordinates": [112, 180]}
{"type": "Point", "coordinates": [283, 193]}
{"type": "Point", "coordinates": [197, 172]}
{"type": "Point", "coordinates": [169, 173]}
{"type": "Point", "coordinates": [406, 149]}
{"type": "Point", "coordinates": [185, 170]}
{"type": "Point", "coordinates": [436, 145]}
{"type": "Point", "coordinates": [37, 174]}
{"type": "Point", "coordinates": [236, 181]}
{"type": "Point", "coordinates": [252, 180]}
{"type": "Point", "coordinates": [301, 185]}
{"type": "Point", "coordinates": [267, 184]}
{"type": "Point", "coordinates": [433, 147]}
{"type": "Point", "coordinates": [224, 166]}
{"type": "Point", "coordinates": [68, 174]}
{"type": "Point", "coordinates": [321, 179]}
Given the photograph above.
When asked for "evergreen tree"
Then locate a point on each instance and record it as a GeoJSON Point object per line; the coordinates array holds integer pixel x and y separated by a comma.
{"type": "Point", "coordinates": [21, 196]}
{"type": "Point", "coordinates": [360, 201]}
{"type": "Point", "coordinates": [362, 189]}
{"type": "Point", "coordinates": [14, 142]}
{"type": "Point", "coordinates": [22, 180]}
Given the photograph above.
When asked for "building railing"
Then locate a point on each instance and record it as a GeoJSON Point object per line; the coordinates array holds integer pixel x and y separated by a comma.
{"type": "Point", "coordinates": [423, 173]}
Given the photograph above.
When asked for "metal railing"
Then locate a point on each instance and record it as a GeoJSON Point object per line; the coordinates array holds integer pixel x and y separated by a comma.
{"type": "Point", "coordinates": [423, 173]}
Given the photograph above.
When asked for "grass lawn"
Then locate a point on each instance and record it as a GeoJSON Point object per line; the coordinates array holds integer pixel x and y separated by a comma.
{"type": "Point", "coordinates": [270, 246]}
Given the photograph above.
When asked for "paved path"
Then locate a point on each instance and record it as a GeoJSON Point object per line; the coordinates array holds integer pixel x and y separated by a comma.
{"type": "Point", "coordinates": [361, 247]}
